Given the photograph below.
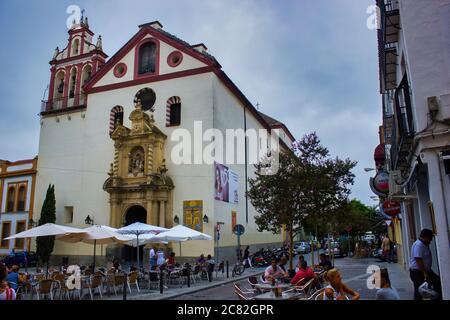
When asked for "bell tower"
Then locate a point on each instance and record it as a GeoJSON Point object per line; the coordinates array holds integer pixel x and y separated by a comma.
{"type": "Point", "coordinates": [71, 68]}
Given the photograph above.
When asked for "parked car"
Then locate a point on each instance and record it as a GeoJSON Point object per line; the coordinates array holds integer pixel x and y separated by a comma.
{"type": "Point", "coordinates": [336, 249]}
{"type": "Point", "coordinates": [21, 259]}
{"type": "Point", "coordinates": [303, 247]}
{"type": "Point", "coordinates": [370, 238]}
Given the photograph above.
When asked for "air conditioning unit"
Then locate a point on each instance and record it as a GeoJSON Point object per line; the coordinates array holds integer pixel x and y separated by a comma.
{"type": "Point", "coordinates": [394, 180]}
{"type": "Point", "coordinates": [442, 104]}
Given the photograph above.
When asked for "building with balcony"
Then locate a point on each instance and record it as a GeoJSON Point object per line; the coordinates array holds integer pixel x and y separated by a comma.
{"type": "Point", "coordinates": [414, 65]}
{"type": "Point", "coordinates": [17, 189]}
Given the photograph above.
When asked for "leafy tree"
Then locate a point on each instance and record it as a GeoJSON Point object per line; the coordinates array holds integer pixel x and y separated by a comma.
{"type": "Point", "coordinates": [307, 189]}
{"type": "Point", "coordinates": [44, 245]}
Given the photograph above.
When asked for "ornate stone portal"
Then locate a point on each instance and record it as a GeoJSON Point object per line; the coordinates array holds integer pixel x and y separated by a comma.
{"type": "Point", "coordinates": [138, 185]}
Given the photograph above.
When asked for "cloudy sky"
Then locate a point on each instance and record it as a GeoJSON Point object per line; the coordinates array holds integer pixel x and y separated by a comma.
{"type": "Point", "coordinates": [309, 63]}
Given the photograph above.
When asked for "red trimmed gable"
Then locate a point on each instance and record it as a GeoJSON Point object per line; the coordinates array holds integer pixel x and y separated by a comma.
{"type": "Point", "coordinates": [145, 34]}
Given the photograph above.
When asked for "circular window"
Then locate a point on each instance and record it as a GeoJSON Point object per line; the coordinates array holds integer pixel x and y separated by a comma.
{"type": "Point", "coordinates": [175, 58]}
{"type": "Point", "coordinates": [147, 97]}
{"type": "Point", "coordinates": [120, 70]}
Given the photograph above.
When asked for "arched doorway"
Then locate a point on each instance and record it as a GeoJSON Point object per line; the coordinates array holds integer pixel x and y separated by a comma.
{"type": "Point", "coordinates": [134, 214]}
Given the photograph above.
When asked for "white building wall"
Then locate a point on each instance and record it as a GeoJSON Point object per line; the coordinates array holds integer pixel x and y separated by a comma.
{"type": "Point", "coordinates": [425, 40]}
{"type": "Point", "coordinates": [229, 114]}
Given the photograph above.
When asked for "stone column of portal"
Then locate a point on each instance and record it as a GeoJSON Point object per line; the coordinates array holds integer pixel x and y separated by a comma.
{"type": "Point", "coordinates": [150, 212]}
{"type": "Point", "coordinates": [150, 159]}
{"type": "Point", "coordinates": [155, 211]}
{"type": "Point", "coordinates": [162, 213]}
{"type": "Point", "coordinates": [116, 161]}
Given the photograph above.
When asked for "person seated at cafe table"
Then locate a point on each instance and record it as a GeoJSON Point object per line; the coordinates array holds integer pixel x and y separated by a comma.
{"type": "Point", "coordinates": [283, 267]}
{"type": "Point", "coordinates": [304, 273]}
{"type": "Point", "coordinates": [170, 262]}
{"type": "Point", "coordinates": [324, 263]}
{"type": "Point", "coordinates": [201, 260]}
{"type": "Point", "coordinates": [301, 258]}
{"type": "Point", "coordinates": [6, 292]}
{"type": "Point", "coordinates": [13, 277]}
{"type": "Point", "coordinates": [337, 290]}
{"type": "Point", "coordinates": [274, 272]}
{"type": "Point", "coordinates": [116, 265]}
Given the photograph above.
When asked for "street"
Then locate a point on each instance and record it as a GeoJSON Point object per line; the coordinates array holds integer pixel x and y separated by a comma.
{"type": "Point", "coordinates": [354, 274]}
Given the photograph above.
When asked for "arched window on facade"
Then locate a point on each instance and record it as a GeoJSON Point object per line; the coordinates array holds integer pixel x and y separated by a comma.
{"type": "Point", "coordinates": [136, 162]}
{"type": "Point", "coordinates": [11, 199]}
{"type": "Point", "coordinates": [86, 74]}
{"type": "Point", "coordinates": [22, 198]}
{"type": "Point", "coordinates": [147, 58]}
{"type": "Point", "coordinates": [76, 47]}
{"type": "Point", "coordinates": [115, 118]}
{"type": "Point", "coordinates": [59, 84]}
{"type": "Point", "coordinates": [173, 112]}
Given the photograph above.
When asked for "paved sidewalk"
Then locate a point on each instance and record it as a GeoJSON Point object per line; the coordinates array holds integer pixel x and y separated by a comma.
{"type": "Point", "coordinates": [355, 274]}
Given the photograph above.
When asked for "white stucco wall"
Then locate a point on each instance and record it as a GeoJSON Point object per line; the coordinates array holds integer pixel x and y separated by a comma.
{"type": "Point", "coordinates": [228, 114]}
{"type": "Point", "coordinates": [425, 42]}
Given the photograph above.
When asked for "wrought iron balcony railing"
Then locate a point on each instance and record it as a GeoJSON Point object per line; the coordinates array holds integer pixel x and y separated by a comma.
{"type": "Point", "coordinates": [403, 126]}
{"type": "Point", "coordinates": [63, 103]}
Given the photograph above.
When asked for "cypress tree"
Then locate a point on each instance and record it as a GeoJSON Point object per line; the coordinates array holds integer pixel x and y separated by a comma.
{"type": "Point", "coordinates": [44, 245]}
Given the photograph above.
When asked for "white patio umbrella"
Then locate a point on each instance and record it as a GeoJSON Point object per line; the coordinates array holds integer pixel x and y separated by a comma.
{"type": "Point", "coordinates": [138, 229]}
{"type": "Point", "coordinates": [180, 234]}
{"type": "Point", "coordinates": [144, 239]}
{"type": "Point", "coordinates": [96, 234]}
{"type": "Point", "coordinates": [48, 229]}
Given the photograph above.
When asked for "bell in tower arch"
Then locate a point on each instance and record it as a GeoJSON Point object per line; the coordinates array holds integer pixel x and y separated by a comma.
{"type": "Point", "coordinates": [61, 86]}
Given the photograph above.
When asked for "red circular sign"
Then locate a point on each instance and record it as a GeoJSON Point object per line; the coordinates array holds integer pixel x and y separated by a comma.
{"type": "Point", "coordinates": [391, 208]}
{"type": "Point", "coordinates": [381, 182]}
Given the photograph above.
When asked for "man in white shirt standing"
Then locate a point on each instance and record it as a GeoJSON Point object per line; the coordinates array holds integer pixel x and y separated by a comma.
{"type": "Point", "coordinates": [151, 256]}
{"type": "Point", "coordinates": [420, 264]}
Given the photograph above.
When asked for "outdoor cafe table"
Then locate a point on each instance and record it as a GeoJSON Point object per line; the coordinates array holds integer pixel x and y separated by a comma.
{"type": "Point", "coordinates": [268, 286]}
{"type": "Point", "coordinates": [284, 296]}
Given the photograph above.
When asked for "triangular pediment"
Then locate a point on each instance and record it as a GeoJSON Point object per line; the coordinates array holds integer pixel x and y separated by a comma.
{"type": "Point", "coordinates": [173, 57]}
{"type": "Point", "coordinates": [120, 131]}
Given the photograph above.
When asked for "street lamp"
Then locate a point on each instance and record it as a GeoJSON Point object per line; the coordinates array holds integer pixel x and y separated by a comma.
{"type": "Point", "coordinates": [369, 169]}
{"type": "Point", "coordinates": [32, 223]}
{"type": "Point", "coordinates": [88, 220]}
{"type": "Point", "coordinates": [176, 219]}
{"type": "Point", "coordinates": [205, 219]}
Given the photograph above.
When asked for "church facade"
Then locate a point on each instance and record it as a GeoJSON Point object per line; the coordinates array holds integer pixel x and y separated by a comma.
{"type": "Point", "coordinates": [110, 130]}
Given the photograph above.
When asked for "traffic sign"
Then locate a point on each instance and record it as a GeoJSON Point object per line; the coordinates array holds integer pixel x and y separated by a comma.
{"type": "Point", "coordinates": [239, 229]}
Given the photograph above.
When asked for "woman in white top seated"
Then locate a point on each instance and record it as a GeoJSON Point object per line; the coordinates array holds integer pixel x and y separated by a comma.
{"type": "Point", "coordinates": [337, 290]}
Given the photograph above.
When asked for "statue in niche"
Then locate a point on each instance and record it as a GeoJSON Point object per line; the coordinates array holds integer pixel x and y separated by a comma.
{"type": "Point", "coordinates": [136, 163]}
